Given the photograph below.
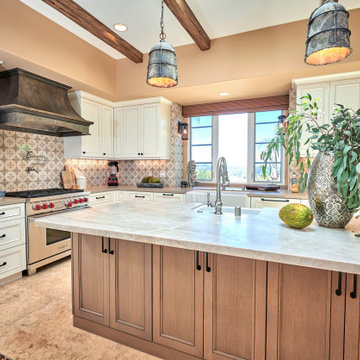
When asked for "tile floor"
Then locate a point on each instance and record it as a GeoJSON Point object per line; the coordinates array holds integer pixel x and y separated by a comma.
{"type": "Point", "coordinates": [36, 322]}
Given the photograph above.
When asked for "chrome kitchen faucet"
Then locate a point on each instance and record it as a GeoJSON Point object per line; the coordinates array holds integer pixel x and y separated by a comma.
{"type": "Point", "coordinates": [222, 180]}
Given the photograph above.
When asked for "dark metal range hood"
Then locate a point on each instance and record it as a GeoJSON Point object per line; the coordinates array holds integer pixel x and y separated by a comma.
{"type": "Point", "coordinates": [32, 103]}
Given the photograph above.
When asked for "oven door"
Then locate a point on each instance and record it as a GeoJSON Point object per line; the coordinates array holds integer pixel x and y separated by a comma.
{"type": "Point", "coordinates": [44, 242]}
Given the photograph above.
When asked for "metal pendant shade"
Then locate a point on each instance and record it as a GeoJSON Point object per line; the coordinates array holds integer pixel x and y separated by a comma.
{"type": "Point", "coordinates": [328, 39]}
{"type": "Point", "coordinates": [162, 67]}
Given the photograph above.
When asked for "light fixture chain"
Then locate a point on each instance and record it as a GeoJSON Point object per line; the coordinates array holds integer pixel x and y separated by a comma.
{"type": "Point", "coordinates": [162, 33]}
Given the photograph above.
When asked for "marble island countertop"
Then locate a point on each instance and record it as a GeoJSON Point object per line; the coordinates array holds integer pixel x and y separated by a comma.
{"type": "Point", "coordinates": [262, 236]}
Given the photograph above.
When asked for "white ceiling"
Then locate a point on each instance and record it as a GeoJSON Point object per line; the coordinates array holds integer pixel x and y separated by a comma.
{"type": "Point", "coordinates": [218, 18]}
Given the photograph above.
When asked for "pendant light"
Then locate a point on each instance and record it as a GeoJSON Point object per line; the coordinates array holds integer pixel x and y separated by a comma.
{"type": "Point", "coordinates": [328, 38]}
{"type": "Point", "coordinates": [162, 68]}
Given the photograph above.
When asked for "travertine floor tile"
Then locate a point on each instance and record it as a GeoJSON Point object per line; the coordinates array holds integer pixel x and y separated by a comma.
{"type": "Point", "coordinates": [36, 322]}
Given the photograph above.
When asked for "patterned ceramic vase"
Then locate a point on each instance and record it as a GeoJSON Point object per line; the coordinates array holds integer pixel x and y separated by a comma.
{"type": "Point", "coordinates": [325, 201]}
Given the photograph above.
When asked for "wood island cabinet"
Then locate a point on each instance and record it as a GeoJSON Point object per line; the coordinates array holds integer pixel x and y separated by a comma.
{"type": "Point", "coordinates": [182, 304]}
{"type": "Point", "coordinates": [178, 299]}
{"type": "Point", "coordinates": [112, 283]}
{"type": "Point", "coordinates": [90, 279]}
{"type": "Point", "coordinates": [130, 288]}
{"type": "Point", "coordinates": [352, 319]}
{"type": "Point", "coordinates": [235, 308]}
{"type": "Point", "coordinates": [306, 309]}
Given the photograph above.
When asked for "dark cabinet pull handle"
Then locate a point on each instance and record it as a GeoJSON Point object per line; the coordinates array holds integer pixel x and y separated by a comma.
{"type": "Point", "coordinates": [104, 153]}
{"type": "Point", "coordinates": [84, 152]}
{"type": "Point", "coordinates": [275, 200]}
{"type": "Point", "coordinates": [2, 213]}
{"type": "Point", "coordinates": [353, 293]}
{"type": "Point", "coordinates": [168, 194]}
{"type": "Point", "coordinates": [140, 196]}
{"type": "Point", "coordinates": [100, 197]}
{"type": "Point", "coordinates": [3, 235]}
{"type": "Point", "coordinates": [138, 153]}
{"type": "Point", "coordinates": [4, 263]}
{"type": "Point", "coordinates": [208, 268]}
{"type": "Point", "coordinates": [111, 252]}
{"type": "Point", "coordinates": [198, 266]}
{"type": "Point", "coordinates": [338, 290]}
{"type": "Point", "coordinates": [142, 153]}
{"type": "Point", "coordinates": [102, 246]}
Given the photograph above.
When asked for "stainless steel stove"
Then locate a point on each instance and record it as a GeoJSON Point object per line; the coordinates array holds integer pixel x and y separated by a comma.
{"type": "Point", "coordinates": [47, 245]}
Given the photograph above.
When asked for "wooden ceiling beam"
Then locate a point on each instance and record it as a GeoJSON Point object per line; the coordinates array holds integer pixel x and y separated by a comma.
{"type": "Point", "coordinates": [190, 23]}
{"type": "Point", "coordinates": [80, 16]}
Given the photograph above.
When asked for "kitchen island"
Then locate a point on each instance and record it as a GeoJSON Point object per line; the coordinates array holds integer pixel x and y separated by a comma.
{"type": "Point", "coordinates": [183, 284]}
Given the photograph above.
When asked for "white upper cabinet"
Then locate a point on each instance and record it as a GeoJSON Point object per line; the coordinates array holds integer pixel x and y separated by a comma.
{"type": "Point", "coordinates": [142, 129]}
{"type": "Point", "coordinates": [335, 89]}
{"type": "Point", "coordinates": [345, 92]}
{"type": "Point", "coordinates": [99, 144]}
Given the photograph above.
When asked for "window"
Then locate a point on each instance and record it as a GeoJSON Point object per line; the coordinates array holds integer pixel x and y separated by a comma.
{"type": "Point", "coordinates": [201, 149]}
{"type": "Point", "coordinates": [240, 138]}
{"type": "Point", "coordinates": [266, 124]}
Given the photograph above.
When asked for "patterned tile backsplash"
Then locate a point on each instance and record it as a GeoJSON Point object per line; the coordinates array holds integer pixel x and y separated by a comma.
{"type": "Point", "coordinates": [13, 162]}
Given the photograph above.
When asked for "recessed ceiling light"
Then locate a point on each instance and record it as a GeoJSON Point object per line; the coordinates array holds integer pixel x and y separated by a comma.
{"type": "Point", "coordinates": [224, 93]}
{"type": "Point", "coordinates": [120, 27]}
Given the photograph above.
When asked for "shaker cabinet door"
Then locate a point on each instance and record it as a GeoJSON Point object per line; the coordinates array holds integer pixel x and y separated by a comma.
{"type": "Point", "coordinates": [150, 131]}
{"type": "Point", "coordinates": [91, 278]}
{"type": "Point", "coordinates": [130, 288]}
{"type": "Point", "coordinates": [178, 299]}
{"type": "Point", "coordinates": [92, 143]}
{"type": "Point", "coordinates": [107, 133]}
{"type": "Point", "coordinates": [305, 316]}
{"type": "Point", "coordinates": [235, 309]}
{"type": "Point", "coordinates": [352, 319]}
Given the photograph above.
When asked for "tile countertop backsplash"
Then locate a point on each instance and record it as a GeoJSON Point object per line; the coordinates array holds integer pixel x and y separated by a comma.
{"type": "Point", "coordinates": [13, 175]}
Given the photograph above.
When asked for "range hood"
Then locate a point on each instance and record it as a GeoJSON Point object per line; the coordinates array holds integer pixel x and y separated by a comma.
{"type": "Point", "coordinates": [32, 103]}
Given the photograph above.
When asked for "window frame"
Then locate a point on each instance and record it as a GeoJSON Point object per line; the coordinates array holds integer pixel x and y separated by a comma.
{"type": "Point", "coordinates": [251, 152]}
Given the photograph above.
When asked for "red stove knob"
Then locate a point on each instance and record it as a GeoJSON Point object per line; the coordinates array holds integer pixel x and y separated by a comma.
{"type": "Point", "coordinates": [51, 205]}
{"type": "Point", "coordinates": [85, 199]}
{"type": "Point", "coordinates": [44, 206]}
{"type": "Point", "coordinates": [76, 201]}
{"type": "Point", "coordinates": [37, 207]}
{"type": "Point", "coordinates": [69, 204]}
{"type": "Point", "coordinates": [81, 200]}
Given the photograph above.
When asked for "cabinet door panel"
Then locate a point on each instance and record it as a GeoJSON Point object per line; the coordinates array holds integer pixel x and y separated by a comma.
{"type": "Point", "coordinates": [91, 279]}
{"type": "Point", "coordinates": [346, 92]}
{"type": "Point", "coordinates": [235, 308]}
{"type": "Point", "coordinates": [352, 320]}
{"type": "Point", "coordinates": [130, 288]}
{"type": "Point", "coordinates": [321, 92]}
{"type": "Point", "coordinates": [92, 144]}
{"type": "Point", "coordinates": [178, 300]}
{"type": "Point", "coordinates": [150, 130]}
{"type": "Point", "coordinates": [305, 316]}
{"type": "Point", "coordinates": [132, 132]}
{"type": "Point", "coordinates": [107, 133]}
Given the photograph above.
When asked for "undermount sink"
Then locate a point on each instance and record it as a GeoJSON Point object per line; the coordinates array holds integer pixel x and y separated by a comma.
{"type": "Point", "coordinates": [204, 209]}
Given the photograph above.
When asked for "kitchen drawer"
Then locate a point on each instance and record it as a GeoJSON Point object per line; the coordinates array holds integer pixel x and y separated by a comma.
{"type": "Point", "coordinates": [102, 198]}
{"type": "Point", "coordinates": [169, 197]}
{"type": "Point", "coordinates": [10, 212]}
{"type": "Point", "coordinates": [120, 195]}
{"type": "Point", "coordinates": [265, 202]}
{"type": "Point", "coordinates": [12, 261]}
{"type": "Point", "coordinates": [137, 195]}
{"type": "Point", "coordinates": [12, 233]}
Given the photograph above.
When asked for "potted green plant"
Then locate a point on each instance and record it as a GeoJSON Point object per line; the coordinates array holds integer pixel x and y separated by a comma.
{"type": "Point", "coordinates": [333, 177]}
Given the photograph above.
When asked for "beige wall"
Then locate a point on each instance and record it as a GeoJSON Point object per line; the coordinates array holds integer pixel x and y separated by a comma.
{"type": "Point", "coordinates": [35, 43]}
{"type": "Point", "coordinates": [256, 63]}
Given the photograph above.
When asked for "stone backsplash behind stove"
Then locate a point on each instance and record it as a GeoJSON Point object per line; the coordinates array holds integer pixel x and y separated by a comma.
{"type": "Point", "coordinates": [13, 162]}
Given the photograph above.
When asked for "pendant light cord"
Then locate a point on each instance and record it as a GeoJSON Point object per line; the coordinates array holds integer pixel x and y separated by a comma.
{"type": "Point", "coordinates": [162, 34]}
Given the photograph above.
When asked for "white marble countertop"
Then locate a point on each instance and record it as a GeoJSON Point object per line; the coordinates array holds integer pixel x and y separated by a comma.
{"type": "Point", "coordinates": [261, 236]}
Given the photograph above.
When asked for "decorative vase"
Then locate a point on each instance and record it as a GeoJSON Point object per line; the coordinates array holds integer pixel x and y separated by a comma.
{"type": "Point", "coordinates": [326, 202]}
